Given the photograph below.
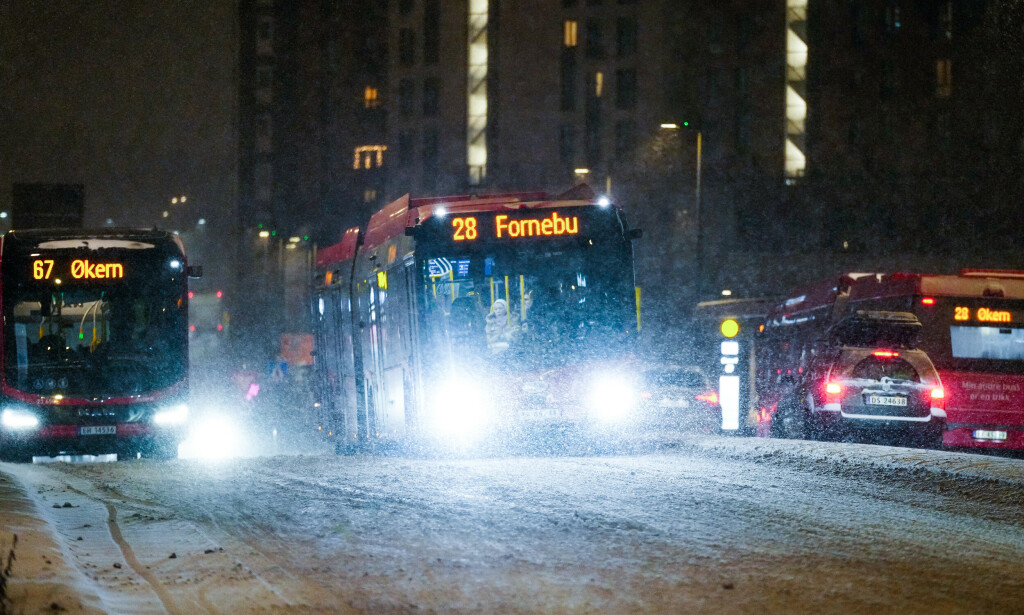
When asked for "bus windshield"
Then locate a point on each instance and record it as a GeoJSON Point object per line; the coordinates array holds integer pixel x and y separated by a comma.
{"type": "Point", "coordinates": [80, 339]}
{"type": "Point", "coordinates": [530, 308]}
{"type": "Point", "coordinates": [974, 334]}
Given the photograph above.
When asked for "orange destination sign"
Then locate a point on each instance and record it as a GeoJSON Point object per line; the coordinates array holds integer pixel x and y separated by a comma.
{"type": "Point", "coordinates": [468, 228]}
{"type": "Point", "coordinates": [982, 315]}
{"type": "Point", "coordinates": [79, 269]}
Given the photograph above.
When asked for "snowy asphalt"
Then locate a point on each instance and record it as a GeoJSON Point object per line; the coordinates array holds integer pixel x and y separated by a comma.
{"type": "Point", "coordinates": [698, 524]}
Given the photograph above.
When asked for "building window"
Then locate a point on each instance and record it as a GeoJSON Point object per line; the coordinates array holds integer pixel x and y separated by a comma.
{"type": "Point", "coordinates": [567, 144]}
{"type": "Point", "coordinates": [569, 77]}
{"type": "Point", "coordinates": [625, 36]}
{"type": "Point", "coordinates": [625, 88]}
{"type": "Point", "coordinates": [430, 155]}
{"type": "Point", "coordinates": [368, 157]}
{"type": "Point", "coordinates": [264, 133]}
{"type": "Point", "coordinates": [595, 39]}
{"type": "Point", "coordinates": [742, 132]}
{"type": "Point", "coordinates": [890, 79]}
{"type": "Point", "coordinates": [598, 83]}
{"type": "Point", "coordinates": [431, 32]}
{"type": "Point", "coordinates": [571, 33]}
{"type": "Point", "coordinates": [371, 100]}
{"type": "Point", "coordinates": [943, 78]}
{"type": "Point", "coordinates": [892, 18]}
{"type": "Point", "coordinates": [263, 182]}
{"type": "Point", "coordinates": [265, 36]}
{"type": "Point", "coordinates": [853, 136]}
{"type": "Point", "coordinates": [406, 47]}
{"type": "Point", "coordinates": [264, 84]}
{"type": "Point", "coordinates": [369, 195]}
{"type": "Point", "coordinates": [406, 96]}
{"type": "Point", "coordinates": [625, 138]}
{"type": "Point", "coordinates": [405, 6]}
{"type": "Point", "coordinates": [946, 20]}
{"type": "Point", "coordinates": [405, 149]}
{"type": "Point", "coordinates": [264, 76]}
{"type": "Point", "coordinates": [431, 85]}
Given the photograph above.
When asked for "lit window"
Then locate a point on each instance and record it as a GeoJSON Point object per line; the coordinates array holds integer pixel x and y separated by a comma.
{"type": "Point", "coordinates": [943, 78]}
{"type": "Point", "coordinates": [370, 98]}
{"type": "Point", "coordinates": [368, 156]}
{"type": "Point", "coordinates": [369, 195]}
{"type": "Point", "coordinates": [946, 19]}
{"type": "Point", "coordinates": [598, 83]}
{"type": "Point", "coordinates": [265, 36]}
{"type": "Point", "coordinates": [571, 33]}
{"type": "Point", "coordinates": [892, 17]}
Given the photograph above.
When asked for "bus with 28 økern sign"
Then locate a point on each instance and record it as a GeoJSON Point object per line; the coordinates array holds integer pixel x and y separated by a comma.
{"type": "Point", "coordinates": [455, 320]}
{"type": "Point", "coordinates": [972, 329]}
{"type": "Point", "coordinates": [94, 349]}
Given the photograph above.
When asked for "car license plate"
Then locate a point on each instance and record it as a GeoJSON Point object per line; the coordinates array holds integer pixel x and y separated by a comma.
{"type": "Point", "coordinates": [984, 434]}
{"type": "Point", "coordinates": [886, 400]}
{"type": "Point", "coordinates": [540, 414]}
{"type": "Point", "coordinates": [97, 430]}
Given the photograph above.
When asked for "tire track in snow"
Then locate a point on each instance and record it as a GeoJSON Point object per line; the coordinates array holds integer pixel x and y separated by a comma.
{"type": "Point", "coordinates": [129, 556]}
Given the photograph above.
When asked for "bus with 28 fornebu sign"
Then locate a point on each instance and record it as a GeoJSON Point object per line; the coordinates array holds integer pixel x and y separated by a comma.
{"type": "Point", "coordinates": [456, 319]}
{"type": "Point", "coordinates": [94, 343]}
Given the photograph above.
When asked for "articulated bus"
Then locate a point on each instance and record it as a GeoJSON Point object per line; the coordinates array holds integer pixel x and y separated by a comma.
{"type": "Point", "coordinates": [972, 329]}
{"type": "Point", "coordinates": [94, 348]}
{"type": "Point", "coordinates": [455, 319]}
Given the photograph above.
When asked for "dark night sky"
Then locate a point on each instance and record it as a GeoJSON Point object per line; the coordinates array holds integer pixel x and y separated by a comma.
{"type": "Point", "coordinates": [134, 99]}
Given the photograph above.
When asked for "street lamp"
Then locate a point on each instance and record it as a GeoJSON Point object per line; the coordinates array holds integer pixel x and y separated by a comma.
{"type": "Point", "coordinates": [699, 282]}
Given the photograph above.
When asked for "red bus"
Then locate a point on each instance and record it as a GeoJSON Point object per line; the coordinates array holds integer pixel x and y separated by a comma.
{"type": "Point", "coordinates": [94, 348]}
{"type": "Point", "coordinates": [461, 317]}
{"type": "Point", "coordinates": [973, 331]}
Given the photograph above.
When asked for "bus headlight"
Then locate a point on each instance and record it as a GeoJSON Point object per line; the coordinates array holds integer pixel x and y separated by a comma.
{"type": "Point", "coordinates": [175, 415]}
{"type": "Point", "coordinates": [461, 407]}
{"type": "Point", "coordinates": [612, 398]}
{"type": "Point", "coordinates": [18, 420]}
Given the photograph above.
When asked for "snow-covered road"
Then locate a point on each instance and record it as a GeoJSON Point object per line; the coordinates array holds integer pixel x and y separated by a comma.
{"type": "Point", "coordinates": [702, 525]}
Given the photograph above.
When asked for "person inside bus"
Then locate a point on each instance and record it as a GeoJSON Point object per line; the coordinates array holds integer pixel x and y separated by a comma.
{"type": "Point", "coordinates": [501, 327]}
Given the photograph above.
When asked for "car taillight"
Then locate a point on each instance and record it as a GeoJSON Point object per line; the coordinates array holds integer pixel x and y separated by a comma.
{"type": "Point", "coordinates": [711, 398]}
{"type": "Point", "coordinates": [938, 397]}
{"type": "Point", "coordinates": [832, 391]}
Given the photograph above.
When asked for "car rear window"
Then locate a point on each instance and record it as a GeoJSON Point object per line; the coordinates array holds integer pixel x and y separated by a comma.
{"type": "Point", "coordinates": [876, 368]}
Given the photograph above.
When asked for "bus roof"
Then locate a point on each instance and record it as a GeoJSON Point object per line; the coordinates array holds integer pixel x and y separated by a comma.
{"type": "Point", "coordinates": [970, 283]}
{"type": "Point", "coordinates": [131, 234]}
{"type": "Point", "coordinates": [342, 251]}
{"type": "Point", "coordinates": [392, 220]}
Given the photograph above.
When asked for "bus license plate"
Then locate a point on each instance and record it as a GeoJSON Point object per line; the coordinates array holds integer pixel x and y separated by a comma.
{"type": "Point", "coordinates": [983, 434]}
{"type": "Point", "coordinates": [97, 430]}
{"type": "Point", "coordinates": [886, 400]}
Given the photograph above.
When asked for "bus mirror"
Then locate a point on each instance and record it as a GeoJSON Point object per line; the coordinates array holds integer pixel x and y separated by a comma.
{"type": "Point", "coordinates": [195, 271]}
{"type": "Point", "coordinates": [635, 233]}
